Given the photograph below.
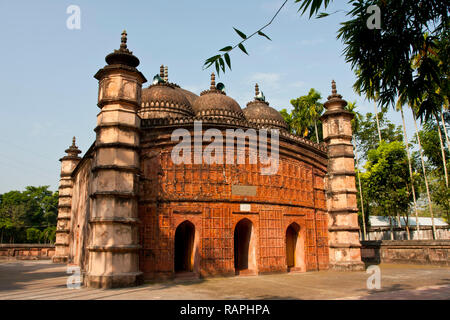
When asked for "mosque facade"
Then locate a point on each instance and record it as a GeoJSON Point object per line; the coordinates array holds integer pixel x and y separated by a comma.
{"type": "Point", "coordinates": [184, 185]}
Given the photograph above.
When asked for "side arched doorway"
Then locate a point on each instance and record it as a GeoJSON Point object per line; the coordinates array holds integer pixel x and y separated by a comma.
{"type": "Point", "coordinates": [184, 247]}
{"type": "Point", "coordinates": [295, 249]}
{"type": "Point", "coordinates": [244, 248]}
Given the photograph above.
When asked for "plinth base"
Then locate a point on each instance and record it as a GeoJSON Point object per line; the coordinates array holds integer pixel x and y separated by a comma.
{"type": "Point", "coordinates": [118, 280]}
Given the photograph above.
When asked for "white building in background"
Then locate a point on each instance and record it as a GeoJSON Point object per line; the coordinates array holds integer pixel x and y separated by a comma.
{"type": "Point", "coordinates": [381, 228]}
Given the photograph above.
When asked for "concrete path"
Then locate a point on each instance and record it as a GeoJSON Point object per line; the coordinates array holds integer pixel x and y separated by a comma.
{"type": "Point", "coordinates": [44, 280]}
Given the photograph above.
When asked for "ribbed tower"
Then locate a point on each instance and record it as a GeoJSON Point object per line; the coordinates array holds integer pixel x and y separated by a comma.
{"type": "Point", "coordinates": [114, 242]}
{"type": "Point", "coordinates": [345, 253]}
{"type": "Point", "coordinates": [68, 164]}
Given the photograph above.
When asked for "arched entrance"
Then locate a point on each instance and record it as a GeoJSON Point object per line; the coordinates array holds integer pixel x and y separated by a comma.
{"type": "Point", "coordinates": [244, 253]}
{"type": "Point", "coordinates": [184, 247]}
{"type": "Point", "coordinates": [294, 248]}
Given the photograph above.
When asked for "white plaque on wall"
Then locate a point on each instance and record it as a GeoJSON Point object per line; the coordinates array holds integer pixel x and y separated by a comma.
{"type": "Point", "coordinates": [245, 207]}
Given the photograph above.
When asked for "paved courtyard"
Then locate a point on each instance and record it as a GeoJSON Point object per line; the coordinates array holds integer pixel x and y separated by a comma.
{"type": "Point", "coordinates": [44, 280]}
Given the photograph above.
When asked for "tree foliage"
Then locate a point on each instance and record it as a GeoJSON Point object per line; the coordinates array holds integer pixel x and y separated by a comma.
{"type": "Point", "coordinates": [303, 120]}
{"type": "Point", "coordinates": [386, 179]}
{"type": "Point", "coordinates": [440, 193]}
{"type": "Point", "coordinates": [366, 132]}
{"type": "Point", "coordinates": [28, 216]}
{"type": "Point", "coordinates": [429, 138]}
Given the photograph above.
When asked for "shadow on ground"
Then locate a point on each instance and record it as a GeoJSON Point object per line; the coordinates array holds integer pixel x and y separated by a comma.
{"type": "Point", "coordinates": [16, 275]}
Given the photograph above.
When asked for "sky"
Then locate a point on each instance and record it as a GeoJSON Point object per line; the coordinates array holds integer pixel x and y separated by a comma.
{"type": "Point", "coordinates": [48, 92]}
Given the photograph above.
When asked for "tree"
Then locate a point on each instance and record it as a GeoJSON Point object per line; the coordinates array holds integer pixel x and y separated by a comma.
{"type": "Point", "coordinates": [440, 195]}
{"type": "Point", "coordinates": [304, 118]}
{"type": "Point", "coordinates": [386, 179]}
{"type": "Point", "coordinates": [436, 97]}
{"type": "Point", "coordinates": [439, 191]}
{"type": "Point", "coordinates": [430, 205]}
{"type": "Point", "coordinates": [36, 208]}
{"type": "Point", "coordinates": [33, 235]}
{"type": "Point", "coordinates": [366, 134]}
{"type": "Point", "coordinates": [431, 146]}
{"type": "Point", "coordinates": [411, 174]}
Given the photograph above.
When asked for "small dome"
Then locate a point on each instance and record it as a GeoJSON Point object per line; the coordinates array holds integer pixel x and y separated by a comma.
{"type": "Point", "coordinates": [163, 100]}
{"type": "Point", "coordinates": [259, 112]}
{"type": "Point", "coordinates": [215, 103]}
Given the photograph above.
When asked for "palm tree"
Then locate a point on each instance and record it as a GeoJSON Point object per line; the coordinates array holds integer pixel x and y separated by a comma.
{"type": "Point", "coordinates": [399, 106]}
{"type": "Point", "coordinates": [435, 97]}
{"type": "Point", "coordinates": [424, 173]}
{"type": "Point", "coordinates": [445, 127]}
{"type": "Point", "coordinates": [378, 121]}
{"type": "Point", "coordinates": [444, 162]}
{"type": "Point", "coordinates": [306, 113]}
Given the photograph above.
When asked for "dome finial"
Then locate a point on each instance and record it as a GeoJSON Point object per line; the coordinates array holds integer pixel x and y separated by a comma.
{"type": "Point", "coordinates": [161, 71]}
{"type": "Point", "coordinates": [334, 94]}
{"type": "Point", "coordinates": [259, 95]}
{"type": "Point", "coordinates": [166, 74]}
{"type": "Point", "coordinates": [335, 99]}
{"type": "Point", "coordinates": [122, 55]}
{"type": "Point", "coordinates": [333, 88]}
{"type": "Point", "coordinates": [256, 90]}
{"type": "Point", "coordinates": [213, 81]}
{"type": "Point", "coordinates": [123, 40]}
{"type": "Point", "coordinates": [73, 150]}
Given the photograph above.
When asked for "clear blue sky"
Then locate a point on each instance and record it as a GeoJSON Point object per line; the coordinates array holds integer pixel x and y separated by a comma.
{"type": "Point", "coordinates": [48, 93]}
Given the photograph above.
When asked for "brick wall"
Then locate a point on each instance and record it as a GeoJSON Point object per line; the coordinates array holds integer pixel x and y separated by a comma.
{"type": "Point", "coordinates": [26, 251]}
{"type": "Point", "coordinates": [436, 252]}
{"type": "Point", "coordinates": [202, 194]}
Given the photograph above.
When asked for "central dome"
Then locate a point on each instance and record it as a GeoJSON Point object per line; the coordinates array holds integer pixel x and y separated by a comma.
{"type": "Point", "coordinates": [215, 103]}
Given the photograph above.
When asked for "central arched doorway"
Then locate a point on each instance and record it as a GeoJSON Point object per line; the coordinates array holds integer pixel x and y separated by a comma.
{"type": "Point", "coordinates": [295, 253]}
{"type": "Point", "coordinates": [184, 247]}
{"type": "Point", "coordinates": [243, 255]}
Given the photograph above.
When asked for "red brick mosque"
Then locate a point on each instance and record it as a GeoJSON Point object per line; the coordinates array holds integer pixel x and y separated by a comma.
{"type": "Point", "coordinates": [129, 213]}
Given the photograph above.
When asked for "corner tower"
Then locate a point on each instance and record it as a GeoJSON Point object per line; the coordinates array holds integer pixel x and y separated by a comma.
{"type": "Point", "coordinates": [114, 243]}
{"type": "Point", "coordinates": [344, 245]}
{"type": "Point", "coordinates": [68, 164]}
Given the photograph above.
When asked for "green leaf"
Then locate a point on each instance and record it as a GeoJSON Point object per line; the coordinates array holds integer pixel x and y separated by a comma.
{"type": "Point", "coordinates": [240, 33]}
{"type": "Point", "coordinates": [241, 46]}
{"type": "Point", "coordinates": [226, 49]}
{"type": "Point", "coordinates": [264, 35]}
{"type": "Point", "coordinates": [222, 64]}
{"type": "Point", "coordinates": [313, 5]}
{"type": "Point", "coordinates": [207, 65]}
{"type": "Point", "coordinates": [227, 60]}
{"type": "Point", "coordinates": [210, 61]}
{"type": "Point", "coordinates": [322, 15]}
{"type": "Point", "coordinates": [217, 66]}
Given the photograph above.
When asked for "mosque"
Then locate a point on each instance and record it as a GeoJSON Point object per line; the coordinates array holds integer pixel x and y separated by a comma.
{"type": "Point", "coordinates": [128, 212]}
